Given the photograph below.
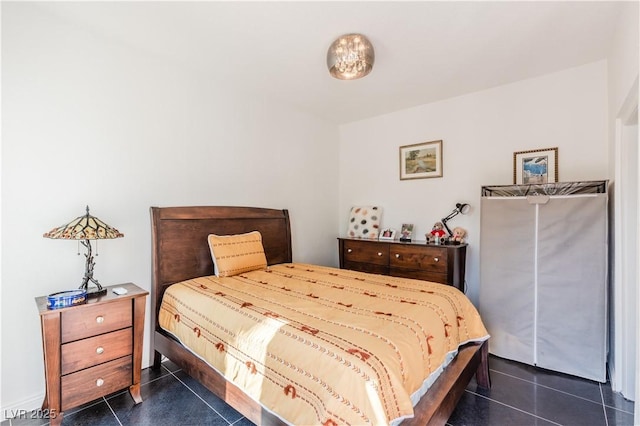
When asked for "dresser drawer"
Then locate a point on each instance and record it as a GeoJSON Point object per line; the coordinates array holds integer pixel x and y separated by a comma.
{"type": "Point", "coordinates": [417, 274]}
{"type": "Point", "coordinates": [88, 320]}
{"type": "Point", "coordinates": [429, 259]}
{"type": "Point", "coordinates": [94, 382]}
{"type": "Point", "coordinates": [371, 268]}
{"type": "Point", "coordinates": [366, 252]}
{"type": "Point", "coordinates": [96, 350]}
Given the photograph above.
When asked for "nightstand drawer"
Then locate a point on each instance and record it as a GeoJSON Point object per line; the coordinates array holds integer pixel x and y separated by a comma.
{"type": "Point", "coordinates": [366, 252]}
{"type": "Point", "coordinates": [96, 350]}
{"type": "Point", "coordinates": [433, 259]}
{"type": "Point", "coordinates": [92, 383]}
{"type": "Point", "coordinates": [87, 321]}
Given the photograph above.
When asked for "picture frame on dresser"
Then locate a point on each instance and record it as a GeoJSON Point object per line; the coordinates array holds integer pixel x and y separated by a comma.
{"type": "Point", "coordinates": [406, 232]}
{"type": "Point", "coordinates": [388, 234]}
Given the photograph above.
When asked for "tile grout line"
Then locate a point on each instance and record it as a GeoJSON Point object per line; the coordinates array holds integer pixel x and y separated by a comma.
{"type": "Point", "coordinates": [124, 391]}
{"type": "Point", "coordinates": [560, 391]}
{"type": "Point", "coordinates": [567, 393]}
{"type": "Point", "coordinates": [201, 399]}
{"type": "Point", "coordinates": [604, 408]}
{"type": "Point", "coordinates": [512, 407]}
{"type": "Point", "coordinates": [112, 412]}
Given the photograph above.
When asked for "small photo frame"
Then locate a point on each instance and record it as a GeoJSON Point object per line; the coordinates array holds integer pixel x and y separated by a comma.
{"type": "Point", "coordinates": [406, 232]}
{"type": "Point", "coordinates": [535, 167]}
{"type": "Point", "coordinates": [388, 234]}
{"type": "Point", "coordinates": [421, 160]}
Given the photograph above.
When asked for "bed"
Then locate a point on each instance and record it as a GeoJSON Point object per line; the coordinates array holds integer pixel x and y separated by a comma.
{"type": "Point", "coordinates": [180, 253]}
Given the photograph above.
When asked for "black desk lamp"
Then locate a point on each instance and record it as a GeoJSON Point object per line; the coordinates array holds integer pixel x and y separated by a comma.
{"type": "Point", "coordinates": [460, 208]}
{"type": "Point", "coordinates": [84, 229]}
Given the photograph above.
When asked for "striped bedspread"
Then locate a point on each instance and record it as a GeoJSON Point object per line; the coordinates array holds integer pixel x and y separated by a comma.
{"type": "Point", "coordinates": [319, 345]}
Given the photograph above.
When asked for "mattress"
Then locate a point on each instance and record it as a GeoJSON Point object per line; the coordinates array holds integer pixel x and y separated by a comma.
{"type": "Point", "coordinates": [319, 345]}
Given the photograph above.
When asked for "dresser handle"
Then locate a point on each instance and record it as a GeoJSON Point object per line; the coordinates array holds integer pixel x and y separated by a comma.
{"type": "Point", "coordinates": [99, 382]}
{"type": "Point", "coordinates": [99, 350]}
{"type": "Point", "coordinates": [397, 256]}
{"type": "Point", "coordinates": [349, 250]}
{"type": "Point", "coordinates": [436, 259]}
{"type": "Point", "coordinates": [379, 254]}
{"type": "Point", "coordinates": [100, 319]}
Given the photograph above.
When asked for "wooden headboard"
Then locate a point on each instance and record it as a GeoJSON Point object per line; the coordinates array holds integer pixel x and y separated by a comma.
{"type": "Point", "coordinates": [180, 250]}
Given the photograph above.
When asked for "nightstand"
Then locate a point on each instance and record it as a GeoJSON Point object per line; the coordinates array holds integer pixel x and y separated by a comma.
{"type": "Point", "coordinates": [93, 349]}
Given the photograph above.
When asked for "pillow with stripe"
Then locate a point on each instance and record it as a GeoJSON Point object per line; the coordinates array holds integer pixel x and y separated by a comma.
{"type": "Point", "coordinates": [235, 254]}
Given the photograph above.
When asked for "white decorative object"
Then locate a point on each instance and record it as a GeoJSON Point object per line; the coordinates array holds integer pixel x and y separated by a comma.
{"type": "Point", "coordinates": [364, 222]}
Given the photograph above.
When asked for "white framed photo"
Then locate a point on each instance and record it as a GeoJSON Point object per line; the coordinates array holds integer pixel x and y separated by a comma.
{"type": "Point", "coordinates": [388, 234]}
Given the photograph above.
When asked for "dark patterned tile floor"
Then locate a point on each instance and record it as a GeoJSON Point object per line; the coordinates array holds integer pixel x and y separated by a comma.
{"type": "Point", "coordinates": [520, 395]}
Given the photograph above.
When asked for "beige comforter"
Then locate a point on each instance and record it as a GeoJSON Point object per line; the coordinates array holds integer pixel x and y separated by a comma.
{"type": "Point", "coordinates": [318, 345]}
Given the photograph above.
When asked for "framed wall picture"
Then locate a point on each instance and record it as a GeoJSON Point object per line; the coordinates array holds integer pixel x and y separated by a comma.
{"type": "Point", "coordinates": [535, 166]}
{"type": "Point", "coordinates": [421, 160]}
{"type": "Point", "coordinates": [388, 234]}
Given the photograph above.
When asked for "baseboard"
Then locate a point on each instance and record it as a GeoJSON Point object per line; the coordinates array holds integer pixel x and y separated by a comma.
{"type": "Point", "coordinates": [22, 409]}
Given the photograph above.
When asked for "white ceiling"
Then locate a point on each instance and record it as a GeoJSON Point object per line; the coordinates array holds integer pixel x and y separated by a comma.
{"type": "Point", "coordinates": [425, 51]}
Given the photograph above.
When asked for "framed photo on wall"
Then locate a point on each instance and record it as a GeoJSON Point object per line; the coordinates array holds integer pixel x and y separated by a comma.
{"type": "Point", "coordinates": [421, 160]}
{"type": "Point", "coordinates": [535, 166]}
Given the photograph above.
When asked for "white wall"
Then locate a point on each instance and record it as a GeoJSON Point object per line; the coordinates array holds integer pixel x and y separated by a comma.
{"type": "Point", "coordinates": [90, 121]}
{"type": "Point", "coordinates": [480, 133]}
{"type": "Point", "coordinates": [623, 67]}
{"type": "Point", "coordinates": [623, 61]}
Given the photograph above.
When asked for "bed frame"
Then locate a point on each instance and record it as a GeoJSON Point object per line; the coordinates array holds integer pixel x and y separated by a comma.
{"type": "Point", "coordinates": [180, 251]}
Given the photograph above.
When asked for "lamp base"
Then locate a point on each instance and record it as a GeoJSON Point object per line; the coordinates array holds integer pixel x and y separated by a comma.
{"type": "Point", "coordinates": [96, 293]}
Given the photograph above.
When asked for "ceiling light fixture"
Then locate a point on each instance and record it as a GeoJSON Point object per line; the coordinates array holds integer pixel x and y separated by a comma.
{"type": "Point", "coordinates": [350, 57]}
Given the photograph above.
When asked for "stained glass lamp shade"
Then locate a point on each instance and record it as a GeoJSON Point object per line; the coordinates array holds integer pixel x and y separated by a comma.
{"type": "Point", "coordinates": [86, 228]}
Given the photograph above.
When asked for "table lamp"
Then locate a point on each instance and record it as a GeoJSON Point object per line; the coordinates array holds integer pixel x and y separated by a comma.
{"type": "Point", "coordinates": [86, 228]}
{"type": "Point", "coordinates": [460, 208]}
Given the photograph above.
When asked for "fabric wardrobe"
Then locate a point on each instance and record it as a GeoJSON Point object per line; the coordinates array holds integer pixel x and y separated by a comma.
{"type": "Point", "coordinates": [543, 275]}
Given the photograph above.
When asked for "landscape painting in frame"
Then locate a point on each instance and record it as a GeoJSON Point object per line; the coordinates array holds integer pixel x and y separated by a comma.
{"type": "Point", "coordinates": [537, 166]}
{"type": "Point", "coordinates": [421, 160]}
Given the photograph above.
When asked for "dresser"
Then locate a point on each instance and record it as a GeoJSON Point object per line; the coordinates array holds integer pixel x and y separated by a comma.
{"type": "Point", "coordinates": [93, 349]}
{"type": "Point", "coordinates": [438, 263]}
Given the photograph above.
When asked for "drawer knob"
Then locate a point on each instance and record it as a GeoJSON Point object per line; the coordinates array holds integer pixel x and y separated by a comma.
{"type": "Point", "coordinates": [100, 319]}
{"type": "Point", "coordinates": [99, 382]}
{"type": "Point", "coordinates": [437, 259]}
{"type": "Point", "coordinates": [397, 256]}
{"type": "Point", "coordinates": [379, 254]}
{"type": "Point", "coordinates": [99, 350]}
{"type": "Point", "coordinates": [349, 250]}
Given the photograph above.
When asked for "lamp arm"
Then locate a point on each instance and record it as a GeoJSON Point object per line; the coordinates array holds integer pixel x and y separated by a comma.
{"type": "Point", "coordinates": [444, 221]}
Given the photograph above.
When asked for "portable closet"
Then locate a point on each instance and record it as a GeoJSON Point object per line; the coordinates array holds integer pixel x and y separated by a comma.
{"type": "Point", "coordinates": [543, 275]}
